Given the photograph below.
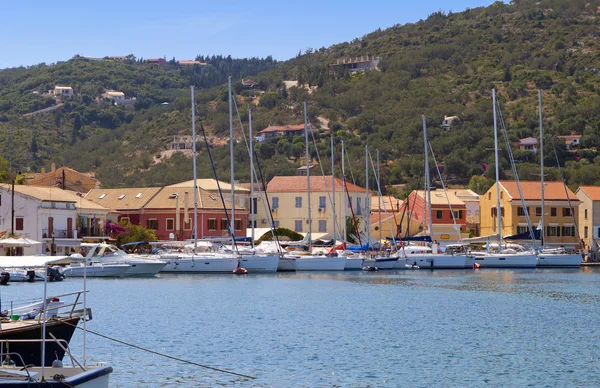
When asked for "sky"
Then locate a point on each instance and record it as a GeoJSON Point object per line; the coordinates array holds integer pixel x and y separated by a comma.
{"type": "Point", "coordinates": [36, 31]}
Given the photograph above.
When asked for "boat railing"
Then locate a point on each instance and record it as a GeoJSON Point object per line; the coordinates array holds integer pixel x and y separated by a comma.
{"type": "Point", "coordinates": [54, 307]}
{"type": "Point", "coordinates": [6, 355]}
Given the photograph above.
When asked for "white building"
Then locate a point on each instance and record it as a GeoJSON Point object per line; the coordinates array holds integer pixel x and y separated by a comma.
{"type": "Point", "coordinates": [63, 91]}
{"type": "Point", "coordinates": [448, 121]}
{"type": "Point", "coordinates": [50, 215]}
{"type": "Point", "coordinates": [529, 144]}
{"type": "Point", "coordinates": [118, 97]}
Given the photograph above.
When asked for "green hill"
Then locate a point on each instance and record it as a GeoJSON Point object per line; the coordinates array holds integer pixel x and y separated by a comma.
{"type": "Point", "coordinates": [445, 65]}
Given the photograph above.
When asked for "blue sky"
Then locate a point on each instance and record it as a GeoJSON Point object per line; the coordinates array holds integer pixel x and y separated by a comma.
{"type": "Point", "coordinates": [34, 31]}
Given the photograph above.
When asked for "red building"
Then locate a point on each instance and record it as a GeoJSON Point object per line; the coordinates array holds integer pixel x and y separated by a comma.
{"type": "Point", "coordinates": [170, 210]}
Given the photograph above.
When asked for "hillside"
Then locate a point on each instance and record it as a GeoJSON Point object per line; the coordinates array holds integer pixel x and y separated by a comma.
{"type": "Point", "coordinates": [445, 65]}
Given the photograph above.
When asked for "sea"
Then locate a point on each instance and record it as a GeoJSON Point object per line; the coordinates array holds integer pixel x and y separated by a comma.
{"type": "Point", "coordinates": [411, 328]}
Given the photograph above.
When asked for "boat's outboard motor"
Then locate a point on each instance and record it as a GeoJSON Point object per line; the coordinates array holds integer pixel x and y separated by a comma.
{"type": "Point", "coordinates": [4, 278]}
{"type": "Point", "coordinates": [54, 274]}
{"type": "Point", "coordinates": [30, 276]}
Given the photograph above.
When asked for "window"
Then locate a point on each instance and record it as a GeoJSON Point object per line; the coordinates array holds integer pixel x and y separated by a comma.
{"type": "Point", "coordinates": [495, 211]}
{"type": "Point", "coordinates": [553, 231]}
{"type": "Point", "coordinates": [322, 226]}
{"type": "Point", "coordinates": [501, 194]}
{"type": "Point", "coordinates": [170, 224]}
{"type": "Point", "coordinates": [187, 225]}
{"type": "Point", "coordinates": [501, 211]}
{"type": "Point", "coordinates": [458, 214]}
{"type": "Point", "coordinates": [298, 225]}
{"type": "Point", "coordinates": [521, 211]}
{"type": "Point", "coordinates": [275, 204]}
{"type": "Point", "coordinates": [298, 202]}
{"type": "Point", "coordinates": [358, 207]}
{"type": "Point", "coordinates": [585, 232]}
{"type": "Point", "coordinates": [212, 224]}
{"type": "Point", "coordinates": [552, 212]}
{"type": "Point", "coordinates": [0, 200]}
{"type": "Point", "coordinates": [238, 224]}
{"type": "Point", "coordinates": [322, 202]}
{"type": "Point", "coordinates": [568, 231]}
{"type": "Point", "coordinates": [489, 196]}
{"type": "Point", "coordinates": [567, 212]}
{"type": "Point", "coordinates": [19, 223]}
{"type": "Point", "coordinates": [538, 211]}
{"type": "Point", "coordinates": [224, 224]}
{"type": "Point", "coordinates": [438, 214]}
{"type": "Point", "coordinates": [521, 229]}
{"type": "Point", "coordinates": [585, 214]}
{"type": "Point", "coordinates": [153, 224]}
{"type": "Point", "coordinates": [254, 205]}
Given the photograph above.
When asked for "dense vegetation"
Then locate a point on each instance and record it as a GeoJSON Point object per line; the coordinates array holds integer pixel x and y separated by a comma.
{"type": "Point", "coordinates": [444, 65]}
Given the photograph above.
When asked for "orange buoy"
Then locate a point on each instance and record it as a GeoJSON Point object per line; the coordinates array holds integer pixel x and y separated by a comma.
{"type": "Point", "coordinates": [240, 271]}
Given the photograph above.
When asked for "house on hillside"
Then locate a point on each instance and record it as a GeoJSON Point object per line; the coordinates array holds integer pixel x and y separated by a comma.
{"type": "Point", "coordinates": [186, 62]}
{"type": "Point", "coordinates": [65, 178]}
{"type": "Point", "coordinates": [158, 61]}
{"type": "Point", "coordinates": [356, 64]}
{"type": "Point", "coordinates": [118, 98]}
{"type": "Point", "coordinates": [571, 141]}
{"type": "Point", "coordinates": [561, 210]}
{"type": "Point", "coordinates": [62, 91]}
{"type": "Point", "coordinates": [248, 83]}
{"type": "Point", "coordinates": [448, 121]}
{"type": "Point", "coordinates": [528, 144]}
{"type": "Point", "coordinates": [288, 196]}
{"type": "Point", "coordinates": [60, 219]}
{"type": "Point", "coordinates": [283, 131]}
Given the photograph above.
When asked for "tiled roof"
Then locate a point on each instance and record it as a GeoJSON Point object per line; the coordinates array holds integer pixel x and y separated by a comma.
{"type": "Point", "coordinates": [438, 197]}
{"type": "Point", "coordinates": [528, 140]}
{"type": "Point", "coordinates": [122, 199]}
{"type": "Point", "coordinates": [55, 194]}
{"type": "Point", "coordinates": [166, 199]}
{"type": "Point", "coordinates": [532, 190]}
{"type": "Point", "coordinates": [465, 194]}
{"type": "Point", "coordinates": [211, 185]}
{"type": "Point", "coordinates": [388, 203]}
{"type": "Point", "coordinates": [283, 128]}
{"type": "Point", "coordinates": [299, 184]}
{"type": "Point", "coordinates": [592, 191]}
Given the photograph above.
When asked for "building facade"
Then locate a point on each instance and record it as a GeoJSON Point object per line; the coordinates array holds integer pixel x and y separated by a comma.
{"type": "Point", "coordinates": [589, 219]}
{"type": "Point", "coordinates": [561, 209]}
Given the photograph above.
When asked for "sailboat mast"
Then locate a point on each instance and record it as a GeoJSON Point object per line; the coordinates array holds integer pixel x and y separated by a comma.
{"type": "Point", "coordinates": [344, 196]}
{"type": "Point", "coordinates": [427, 178]}
{"type": "Point", "coordinates": [498, 209]}
{"type": "Point", "coordinates": [541, 166]}
{"type": "Point", "coordinates": [379, 195]}
{"type": "Point", "coordinates": [367, 219]}
{"type": "Point", "coordinates": [195, 184]}
{"type": "Point", "coordinates": [333, 188]}
{"type": "Point", "coordinates": [308, 180]}
{"type": "Point", "coordinates": [252, 210]}
{"type": "Point", "coordinates": [232, 223]}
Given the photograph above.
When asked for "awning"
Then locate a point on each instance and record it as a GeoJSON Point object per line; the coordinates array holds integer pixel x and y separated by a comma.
{"type": "Point", "coordinates": [29, 261]}
{"type": "Point", "coordinates": [66, 242]}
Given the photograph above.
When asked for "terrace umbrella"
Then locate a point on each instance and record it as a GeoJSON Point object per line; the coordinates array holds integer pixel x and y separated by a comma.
{"type": "Point", "coordinates": [17, 242]}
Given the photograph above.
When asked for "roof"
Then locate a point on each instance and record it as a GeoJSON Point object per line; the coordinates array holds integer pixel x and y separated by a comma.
{"type": "Point", "coordinates": [284, 128]}
{"type": "Point", "coordinates": [63, 87]}
{"type": "Point", "coordinates": [122, 199]}
{"type": "Point", "coordinates": [591, 191]}
{"type": "Point", "coordinates": [190, 62]}
{"type": "Point", "coordinates": [388, 203]}
{"type": "Point", "coordinates": [210, 184]}
{"type": "Point", "coordinates": [114, 93]}
{"type": "Point", "coordinates": [166, 198]}
{"type": "Point", "coordinates": [299, 184]}
{"type": "Point", "coordinates": [466, 195]}
{"type": "Point", "coordinates": [438, 197]}
{"type": "Point", "coordinates": [532, 190]}
{"type": "Point", "coordinates": [528, 140]}
{"type": "Point", "coordinates": [570, 137]}
{"type": "Point", "coordinates": [55, 194]}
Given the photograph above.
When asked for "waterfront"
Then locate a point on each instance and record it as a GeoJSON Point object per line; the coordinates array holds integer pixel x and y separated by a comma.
{"type": "Point", "coordinates": [349, 329]}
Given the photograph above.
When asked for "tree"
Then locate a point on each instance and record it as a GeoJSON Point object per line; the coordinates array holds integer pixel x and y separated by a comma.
{"type": "Point", "coordinates": [3, 170]}
{"type": "Point", "coordinates": [131, 233]}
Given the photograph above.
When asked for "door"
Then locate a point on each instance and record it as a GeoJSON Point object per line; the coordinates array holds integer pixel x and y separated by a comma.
{"type": "Point", "coordinates": [69, 228]}
{"type": "Point", "coordinates": [50, 226]}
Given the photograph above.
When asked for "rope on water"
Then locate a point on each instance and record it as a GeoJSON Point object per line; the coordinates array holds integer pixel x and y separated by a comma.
{"type": "Point", "coordinates": [164, 355]}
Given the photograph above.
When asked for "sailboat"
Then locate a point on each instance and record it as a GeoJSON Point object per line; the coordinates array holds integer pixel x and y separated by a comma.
{"type": "Point", "coordinates": [248, 259]}
{"type": "Point", "coordinates": [551, 257]}
{"type": "Point", "coordinates": [431, 258]}
{"type": "Point", "coordinates": [508, 258]}
{"type": "Point", "coordinates": [308, 261]}
{"type": "Point", "coordinates": [207, 262]}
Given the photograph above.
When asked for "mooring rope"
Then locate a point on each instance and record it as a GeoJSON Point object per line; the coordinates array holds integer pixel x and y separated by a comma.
{"type": "Point", "coordinates": [164, 355]}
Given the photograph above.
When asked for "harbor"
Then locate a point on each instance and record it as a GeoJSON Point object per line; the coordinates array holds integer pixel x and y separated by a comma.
{"type": "Point", "coordinates": [352, 329]}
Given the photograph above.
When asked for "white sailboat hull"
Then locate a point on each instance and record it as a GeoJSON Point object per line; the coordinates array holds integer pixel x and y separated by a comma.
{"type": "Point", "coordinates": [549, 260]}
{"type": "Point", "coordinates": [97, 270]}
{"type": "Point", "coordinates": [433, 261]}
{"type": "Point", "coordinates": [201, 264]}
{"type": "Point", "coordinates": [383, 262]}
{"type": "Point", "coordinates": [353, 263]}
{"type": "Point", "coordinates": [320, 263]}
{"type": "Point", "coordinates": [498, 260]}
{"type": "Point", "coordinates": [286, 264]}
{"type": "Point", "coordinates": [260, 263]}
{"type": "Point", "coordinates": [147, 268]}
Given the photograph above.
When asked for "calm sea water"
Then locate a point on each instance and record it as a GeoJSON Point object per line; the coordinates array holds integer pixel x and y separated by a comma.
{"type": "Point", "coordinates": [363, 329]}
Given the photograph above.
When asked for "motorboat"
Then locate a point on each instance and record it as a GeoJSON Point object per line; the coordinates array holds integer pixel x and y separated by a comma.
{"type": "Point", "coordinates": [108, 254]}
{"type": "Point", "coordinates": [95, 269]}
{"type": "Point", "coordinates": [94, 376]}
{"type": "Point", "coordinates": [455, 257]}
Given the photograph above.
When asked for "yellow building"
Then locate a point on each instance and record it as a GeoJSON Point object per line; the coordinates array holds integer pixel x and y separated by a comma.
{"type": "Point", "coordinates": [560, 211]}
{"type": "Point", "coordinates": [65, 178]}
{"type": "Point", "coordinates": [289, 203]}
{"type": "Point", "coordinates": [589, 218]}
